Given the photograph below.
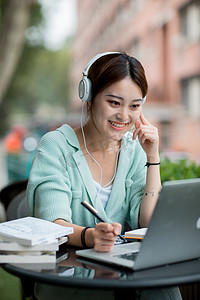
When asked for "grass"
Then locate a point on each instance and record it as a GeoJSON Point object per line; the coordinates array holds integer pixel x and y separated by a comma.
{"type": "Point", "coordinates": [10, 286]}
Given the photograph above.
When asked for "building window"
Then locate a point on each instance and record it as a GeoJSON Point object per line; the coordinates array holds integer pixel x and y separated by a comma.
{"type": "Point", "coordinates": [190, 20]}
{"type": "Point", "coordinates": [190, 90]}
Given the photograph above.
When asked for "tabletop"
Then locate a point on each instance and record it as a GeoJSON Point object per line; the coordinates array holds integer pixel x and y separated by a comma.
{"type": "Point", "coordinates": [73, 271]}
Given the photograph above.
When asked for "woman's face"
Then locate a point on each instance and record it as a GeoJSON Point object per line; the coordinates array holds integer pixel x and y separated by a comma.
{"type": "Point", "coordinates": [117, 108]}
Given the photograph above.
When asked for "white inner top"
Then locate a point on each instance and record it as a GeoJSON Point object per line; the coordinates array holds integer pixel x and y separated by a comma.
{"type": "Point", "coordinates": [104, 192]}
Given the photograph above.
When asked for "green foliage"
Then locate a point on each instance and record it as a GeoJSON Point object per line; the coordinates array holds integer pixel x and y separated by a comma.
{"type": "Point", "coordinates": [183, 169]}
{"type": "Point", "coordinates": [36, 15]}
{"type": "Point", "coordinates": [41, 77]}
{"type": "Point", "coordinates": [3, 6]}
{"type": "Point", "coordinates": [10, 286]}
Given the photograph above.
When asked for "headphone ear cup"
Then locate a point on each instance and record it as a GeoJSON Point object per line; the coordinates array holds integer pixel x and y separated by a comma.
{"type": "Point", "coordinates": [85, 89]}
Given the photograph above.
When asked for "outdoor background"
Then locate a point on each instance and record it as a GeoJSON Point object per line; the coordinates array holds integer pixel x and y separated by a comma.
{"type": "Point", "coordinates": [44, 47]}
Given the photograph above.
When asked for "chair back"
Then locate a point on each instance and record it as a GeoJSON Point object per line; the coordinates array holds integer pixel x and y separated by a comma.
{"type": "Point", "coordinates": [13, 197]}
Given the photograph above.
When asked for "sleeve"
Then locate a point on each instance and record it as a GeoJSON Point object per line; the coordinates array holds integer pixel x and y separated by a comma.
{"type": "Point", "coordinates": [49, 189]}
{"type": "Point", "coordinates": [137, 185]}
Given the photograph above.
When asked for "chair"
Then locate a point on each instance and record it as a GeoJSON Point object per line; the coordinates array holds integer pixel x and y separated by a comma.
{"type": "Point", "coordinates": [13, 197]}
{"type": "Point", "coordinates": [9, 192]}
{"type": "Point", "coordinates": [18, 207]}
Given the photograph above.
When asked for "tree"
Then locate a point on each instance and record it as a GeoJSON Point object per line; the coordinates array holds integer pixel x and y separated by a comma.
{"type": "Point", "coordinates": [15, 17]}
{"type": "Point", "coordinates": [42, 77]}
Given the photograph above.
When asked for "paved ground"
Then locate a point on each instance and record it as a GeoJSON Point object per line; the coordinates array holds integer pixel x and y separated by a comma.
{"type": "Point", "coordinates": [3, 179]}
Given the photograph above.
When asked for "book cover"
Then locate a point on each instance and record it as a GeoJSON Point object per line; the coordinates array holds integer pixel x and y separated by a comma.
{"type": "Point", "coordinates": [7, 245]}
{"type": "Point", "coordinates": [14, 246]}
{"type": "Point", "coordinates": [26, 258]}
{"type": "Point", "coordinates": [62, 240]}
{"type": "Point", "coordinates": [30, 231]}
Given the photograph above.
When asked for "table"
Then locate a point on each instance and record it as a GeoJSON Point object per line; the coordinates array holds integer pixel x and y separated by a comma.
{"type": "Point", "coordinates": [76, 272]}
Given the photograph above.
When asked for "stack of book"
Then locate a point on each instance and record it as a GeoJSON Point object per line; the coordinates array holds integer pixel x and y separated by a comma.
{"type": "Point", "coordinates": [31, 240]}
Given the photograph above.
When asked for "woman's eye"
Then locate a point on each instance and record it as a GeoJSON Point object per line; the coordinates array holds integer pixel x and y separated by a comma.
{"type": "Point", "coordinates": [114, 103]}
{"type": "Point", "coordinates": [134, 106]}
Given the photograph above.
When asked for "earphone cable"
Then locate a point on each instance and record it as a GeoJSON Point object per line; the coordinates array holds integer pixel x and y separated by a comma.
{"type": "Point", "coordinates": [84, 140]}
{"type": "Point", "coordinates": [85, 145]}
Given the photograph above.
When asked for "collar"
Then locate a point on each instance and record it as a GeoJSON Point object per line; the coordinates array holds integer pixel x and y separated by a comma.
{"type": "Point", "coordinates": [72, 139]}
{"type": "Point", "coordinates": [70, 135]}
{"type": "Point", "coordinates": [126, 154]}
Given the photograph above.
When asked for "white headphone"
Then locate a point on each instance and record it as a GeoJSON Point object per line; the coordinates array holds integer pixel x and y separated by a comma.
{"type": "Point", "coordinates": [85, 85]}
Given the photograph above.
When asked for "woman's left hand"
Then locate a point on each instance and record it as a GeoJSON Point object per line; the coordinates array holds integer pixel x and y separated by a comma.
{"type": "Point", "coordinates": [148, 136]}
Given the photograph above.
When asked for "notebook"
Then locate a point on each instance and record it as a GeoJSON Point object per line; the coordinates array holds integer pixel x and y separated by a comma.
{"type": "Point", "coordinates": [173, 233]}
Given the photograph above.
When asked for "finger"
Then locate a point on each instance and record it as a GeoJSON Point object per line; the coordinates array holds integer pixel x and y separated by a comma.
{"type": "Point", "coordinates": [148, 137]}
{"type": "Point", "coordinates": [145, 129]}
{"type": "Point", "coordinates": [105, 227]}
{"type": "Point", "coordinates": [108, 237]}
{"type": "Point", "coordinates": [142, 129]}
{"type": "Point", "coordinates": [101, 240]}
{"type": "Point", "coordinates": [104, 231]}
{"type": "Point", "coordinates": [116, 228]}
{"type": "Point", "coordinates": [137, 123]}
{"type": "Point", "coordinates": [144, 120]}
{"type": "Point", "coordinates": [148, 130]}
{"type": "Point", "coordinates": [103, 244]}
{"type": "Point", "coordinates": [137, 128]}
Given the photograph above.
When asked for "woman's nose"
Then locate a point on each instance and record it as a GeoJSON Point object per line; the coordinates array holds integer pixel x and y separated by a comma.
{"type": "Point", "coordinates": [122, 114]}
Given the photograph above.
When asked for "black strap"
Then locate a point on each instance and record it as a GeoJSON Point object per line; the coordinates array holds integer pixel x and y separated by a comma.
{"type": "Point", "coordinates": [83, 237]}
{"type": "Point", "coordinates": [151, 164]}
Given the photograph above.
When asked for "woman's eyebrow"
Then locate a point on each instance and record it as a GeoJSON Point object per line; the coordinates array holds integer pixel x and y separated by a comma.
{"type": "Point", "coordinates": [114, 96]}
{"type": "Point", "coordinates": [121, 98]}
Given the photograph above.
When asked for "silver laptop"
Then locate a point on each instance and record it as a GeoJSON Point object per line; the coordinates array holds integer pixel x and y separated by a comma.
{"type": "Point", "coordinates": [173, 234]}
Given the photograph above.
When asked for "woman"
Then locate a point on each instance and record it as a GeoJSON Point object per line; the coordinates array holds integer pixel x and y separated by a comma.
{"type": "Point", "coordinates": [112, 161]}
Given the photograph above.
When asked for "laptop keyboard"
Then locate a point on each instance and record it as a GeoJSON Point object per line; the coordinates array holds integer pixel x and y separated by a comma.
{"type": "Point", "coordinates": [129, 256]}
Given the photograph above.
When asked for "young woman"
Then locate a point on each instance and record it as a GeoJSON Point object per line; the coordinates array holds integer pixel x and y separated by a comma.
{"type": "Point", "coordinates": [112, 161]}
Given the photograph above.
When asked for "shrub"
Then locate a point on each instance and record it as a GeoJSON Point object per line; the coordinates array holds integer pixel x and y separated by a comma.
{"type": "Point", "coordinates": [183, 169]}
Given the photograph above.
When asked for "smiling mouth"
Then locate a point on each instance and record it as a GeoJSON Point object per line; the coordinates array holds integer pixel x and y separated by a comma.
{"type": "Point", "coordinates": [117, 125]}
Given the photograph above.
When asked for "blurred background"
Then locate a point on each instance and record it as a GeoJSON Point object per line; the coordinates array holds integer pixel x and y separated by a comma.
{"type": "Point", "coordinates": [165, 36]}
{"type": "Point", "coordinates": [44, 47]}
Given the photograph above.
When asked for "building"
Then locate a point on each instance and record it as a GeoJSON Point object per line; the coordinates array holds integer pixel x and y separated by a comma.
{"type": "Point", "coordinates": [165, 36]}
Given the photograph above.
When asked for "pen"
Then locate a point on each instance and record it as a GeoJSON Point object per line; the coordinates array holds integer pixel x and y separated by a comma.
{"type": "Point", "coordinates": [95, 213]}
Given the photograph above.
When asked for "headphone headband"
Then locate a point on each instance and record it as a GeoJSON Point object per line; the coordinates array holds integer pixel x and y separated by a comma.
{"type": "Point", "coordinates": [85, 85]}
{"type": "Point", "coordinates": [87, 67]}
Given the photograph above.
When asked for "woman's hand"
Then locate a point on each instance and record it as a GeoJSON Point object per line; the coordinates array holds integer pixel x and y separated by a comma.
{"type": "Point", "coordinates": [148, 137]}
{"type": "Point", "coordinates": [105, 235]}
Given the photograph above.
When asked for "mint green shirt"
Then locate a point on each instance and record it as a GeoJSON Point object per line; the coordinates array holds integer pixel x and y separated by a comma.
{"type": "Point", "coordinates": [60, 179]}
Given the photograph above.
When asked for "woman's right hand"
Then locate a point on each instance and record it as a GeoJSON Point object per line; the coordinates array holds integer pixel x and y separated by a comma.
{"type": "Point", "coordinates": [105, 235]}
